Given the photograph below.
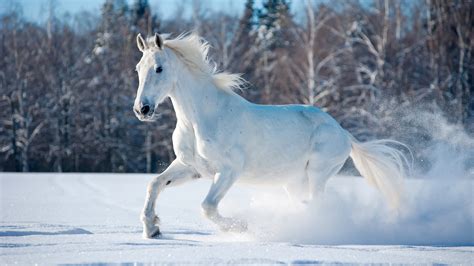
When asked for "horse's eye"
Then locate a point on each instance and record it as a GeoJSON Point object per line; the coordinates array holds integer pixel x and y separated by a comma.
{"type": "Point", "coordinates": [159, 69]}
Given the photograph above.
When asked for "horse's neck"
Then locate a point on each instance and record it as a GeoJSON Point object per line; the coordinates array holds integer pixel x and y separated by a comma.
{"type": "Point", "coordinates": [197, 100]}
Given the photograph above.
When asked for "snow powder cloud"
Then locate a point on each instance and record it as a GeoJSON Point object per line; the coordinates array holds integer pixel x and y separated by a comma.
{"type": "Point", "coordinates": [438, 208]}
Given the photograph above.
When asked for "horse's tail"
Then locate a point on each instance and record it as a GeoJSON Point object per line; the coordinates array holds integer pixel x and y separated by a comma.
{"type": "Point", "coordinates": [383, 165]}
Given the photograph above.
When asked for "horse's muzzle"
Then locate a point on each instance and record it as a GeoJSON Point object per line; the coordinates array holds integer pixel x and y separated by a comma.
{"type": "Point", "coordinates": [145, 112]}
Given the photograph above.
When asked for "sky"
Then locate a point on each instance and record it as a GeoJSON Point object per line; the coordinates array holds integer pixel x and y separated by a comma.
{"type": "Point", "coordinates": [36, 10]}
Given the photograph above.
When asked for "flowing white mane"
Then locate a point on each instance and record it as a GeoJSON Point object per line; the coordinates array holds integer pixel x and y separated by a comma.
{"type": "Point", "coordinates": [193, 51]}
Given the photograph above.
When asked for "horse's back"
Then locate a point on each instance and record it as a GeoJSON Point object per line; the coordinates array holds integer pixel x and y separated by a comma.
{"type": "Point", "coordinates": [303, 116]}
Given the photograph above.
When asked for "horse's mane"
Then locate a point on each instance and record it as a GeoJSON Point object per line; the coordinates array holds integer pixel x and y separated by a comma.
{"type": "Point", "coordinates": [193, 51]}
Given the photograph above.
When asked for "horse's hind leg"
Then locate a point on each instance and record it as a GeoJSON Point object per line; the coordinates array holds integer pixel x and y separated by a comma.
{"type": "Point", "coordinates": [296, 188]}
{"type": "Point", "coordinates": [318, 175]}
{"type": "Point", "coordinates": [327, 158]}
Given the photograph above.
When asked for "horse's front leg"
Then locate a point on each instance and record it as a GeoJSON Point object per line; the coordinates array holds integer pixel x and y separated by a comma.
{"type": "Point", "coordinates": [177, 173]}
{"type": "Point", "coordinates": [221, 184]}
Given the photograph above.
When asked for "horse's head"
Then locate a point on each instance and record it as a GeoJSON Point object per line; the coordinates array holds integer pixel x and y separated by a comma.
{"type": "Point", "coordinates": [154, 77]}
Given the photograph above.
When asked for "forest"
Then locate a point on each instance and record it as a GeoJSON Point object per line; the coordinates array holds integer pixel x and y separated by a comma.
{"type": "Point", "coordinates": [67, 85]}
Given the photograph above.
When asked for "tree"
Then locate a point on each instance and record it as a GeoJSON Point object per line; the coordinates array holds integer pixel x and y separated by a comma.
{"type": "Point", "coordinates": [142, 18]}
{"type": "Point", "coordinates": [66, 98]}
{"type": "Point", "coordinates": [244, 55]}
{"type": "Point", "coordinates": [274, 37]}
{"type": "Point", "coordinates": [450, 45]}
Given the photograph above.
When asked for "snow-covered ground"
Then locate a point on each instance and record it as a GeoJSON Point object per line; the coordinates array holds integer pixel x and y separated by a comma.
{"type": "Point", "coordinates": [93, 218]}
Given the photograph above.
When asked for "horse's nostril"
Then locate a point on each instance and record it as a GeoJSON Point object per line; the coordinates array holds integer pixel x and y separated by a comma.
{"type": "Point", "coordinates": [145, 109]}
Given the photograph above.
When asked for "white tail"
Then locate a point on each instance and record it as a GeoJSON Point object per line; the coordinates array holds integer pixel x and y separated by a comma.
{"type": "Point", "coordinates": [383, 166]}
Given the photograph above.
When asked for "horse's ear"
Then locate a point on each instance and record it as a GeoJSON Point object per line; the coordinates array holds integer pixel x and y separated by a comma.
{"type": "Point", "coordinates": [141, 43]}
{"type": "Point", "coordinates": [158, 41]}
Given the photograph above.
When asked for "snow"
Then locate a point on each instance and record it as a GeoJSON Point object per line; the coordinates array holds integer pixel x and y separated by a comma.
{"type": "Point", "coordinates": [94, 218]}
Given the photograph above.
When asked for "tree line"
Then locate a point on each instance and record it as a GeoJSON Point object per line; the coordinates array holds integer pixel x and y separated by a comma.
{"type": "Point", "coordinates": [67, 85]}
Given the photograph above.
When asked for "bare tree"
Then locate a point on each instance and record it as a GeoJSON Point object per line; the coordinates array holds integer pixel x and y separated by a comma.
{"type": "Point", "coordinates": [66, 97]}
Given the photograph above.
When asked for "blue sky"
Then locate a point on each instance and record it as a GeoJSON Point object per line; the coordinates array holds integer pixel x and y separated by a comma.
{"type": "Point", "coordinates": [36, 10]}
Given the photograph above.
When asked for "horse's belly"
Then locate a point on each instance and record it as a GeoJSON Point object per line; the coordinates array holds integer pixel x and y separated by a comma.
{"type": "Point", "coordinates": [277, 155]}
{"type": "Point", "coordinates": [273, 177]}
{"type": "Point", "coordinates": [275, 169]}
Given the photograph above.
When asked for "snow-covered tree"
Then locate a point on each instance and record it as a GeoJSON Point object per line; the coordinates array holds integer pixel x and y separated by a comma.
{"type": "Point", "coordinates": [244, 41]}
{"type": "Point", "coordinates": [67, 86]}
{"type": "Point", "coordinates": [274, 37]}
{"type": "Point", "coordinates": [142, 18]}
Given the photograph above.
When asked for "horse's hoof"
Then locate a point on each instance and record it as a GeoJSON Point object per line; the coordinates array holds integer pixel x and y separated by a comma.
{"type": "Point", "coordinates": [156, 234]}
{"type": "Point", "coordinates": [152, 233]}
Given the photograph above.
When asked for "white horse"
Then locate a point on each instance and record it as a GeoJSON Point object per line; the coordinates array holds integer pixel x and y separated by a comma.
{"type": "Point", "coordinates": [222, 136]}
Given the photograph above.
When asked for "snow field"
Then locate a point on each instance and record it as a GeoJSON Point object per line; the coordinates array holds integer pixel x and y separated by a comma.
{"type": "Point", "coordinates": [93, 218]}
